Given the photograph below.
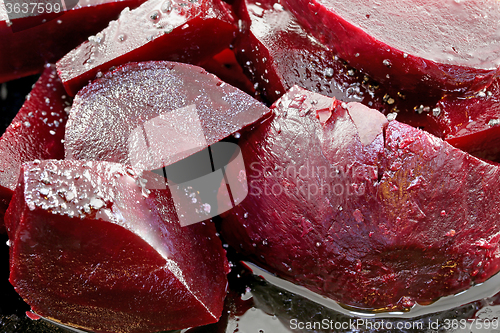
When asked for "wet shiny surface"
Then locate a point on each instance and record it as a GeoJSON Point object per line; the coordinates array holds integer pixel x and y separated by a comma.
{"type": "Point", "coordinates": [415, 45]}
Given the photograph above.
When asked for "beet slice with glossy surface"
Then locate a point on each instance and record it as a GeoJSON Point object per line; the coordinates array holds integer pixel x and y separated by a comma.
{"type": "Point", "coordinates": [471, 124]}
{"type": "Point", "coordinates": [91, 247]}
{"type": "Point", "coordinates": [27, 43]}
{"type": "Point", "coordinates": [278, 53]}
{"type": "Point", "coordinates": [35, 133]}
{"type": "Point", "coordinates": [153, 114]}
{"type": "Point", "coordinates": [178, 30]}
{"type": "Point", "coordinates": [372, 214]}
{"type": "Point", "coordinates": [414, 45]}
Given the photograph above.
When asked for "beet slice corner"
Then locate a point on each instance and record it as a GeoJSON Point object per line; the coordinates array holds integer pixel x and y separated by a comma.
{"type": "Point", "coordinates": [177, 30]}
{"type": "Point", "coordinates": [152, 114]}
{"type": "Point", "coordinates": [92, 248]}
{"type": "Point", "coordinates": [36, 132]}
{"type": "Point", "coordinates": [419, 46]}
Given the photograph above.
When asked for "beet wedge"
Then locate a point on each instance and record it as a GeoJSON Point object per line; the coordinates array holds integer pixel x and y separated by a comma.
{"type": "Point", "coordinates": [30, 41]}
{"type": "Point", "coordinates": [92, 248]}
{"type": "Point", "coordinates": [374, 215]}
{"type": "Point", "coordinates": [35, 133]}
{"type": "Point", "coordinates": [153, 114]}
{"type": "Point", "coordinates": [471, 124]}
{"type": "Point", "coordinates": [423, 46]}
{"type": "Point", "coordinates": [178, 30]}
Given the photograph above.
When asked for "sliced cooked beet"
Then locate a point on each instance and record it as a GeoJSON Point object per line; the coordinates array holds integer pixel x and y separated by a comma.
{"type": "Point", "coordinates": [471, 124]}
{"type": "Point", "coordinates": [153, 114]}
{"type": "Point", "coordinates": [426, 46]}
{"type": "Point", "coordinates": [24, 52]}
{"type": "Point", "coordinates": [278, 53]}
{"type": "Point", "coordinates": [178, 30]}
{"type": "Point", "coordinates": [225, 66]}
{"type": "Point", "coordinates": [373, 215]}
{"type": "Point", "coordinates": [35, 133]}
{"type": "Point", "coordinates": [91, 248]}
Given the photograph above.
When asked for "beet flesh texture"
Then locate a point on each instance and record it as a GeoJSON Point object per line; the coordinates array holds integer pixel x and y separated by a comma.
{"type": "Point", "coordinates": [26, 51]}
{"type": "Point", "coordinates": [35, 133]}
{"type": "Point", "coordinates": [225, 66]}
{"type": "Point", "coordinates": [92, 250]}
{"type": "Point", "coordinates": [278, 53]}
{"type": "Point", "coordinates": [422, 46]}
{"type": "Point", "coordinates": [107, 113]}
{"type": "Point", "coordinates": [471, 124]}
{"type": "Point", "coordinates": [178, 30]}
{"type": "Point", "coordinates": [374, 219]}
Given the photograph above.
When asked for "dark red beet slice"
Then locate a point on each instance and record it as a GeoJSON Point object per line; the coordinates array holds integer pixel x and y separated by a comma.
{"type": "Point", "coordinates": [373, 215]}
{"type": "Point", "coordinates": [278, 54]}
{"type": "Point", "coordinates": [225, 66]}
{"type": "Point", "coordinates": [414, 45]}
{"type": "Point", "coordinates": [153, 114]}
{"type": "Point", "coordinates": [471, 124]}
{"type": "Point", "coordinates": [178, 30]}
{"type": "Point", "coordinates": [90, 248]}
{"type": "Point", "coordinates": [26, 51]}
{"type": "Point", "coordinates": [35, 133]}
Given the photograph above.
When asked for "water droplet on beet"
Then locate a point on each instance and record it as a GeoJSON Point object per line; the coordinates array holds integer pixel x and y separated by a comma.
{"type": "Point", "coordinates": [154, 16]}
{"type": "Point", "coordinates": [44, 191]}
{"type": "Point", "coordinates": [166, 7]}
{"type": "Point", "coordinates": [96, 203]}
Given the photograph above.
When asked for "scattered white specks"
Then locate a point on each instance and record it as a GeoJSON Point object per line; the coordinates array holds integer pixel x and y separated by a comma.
{"type": "Point", "coordinates": [52, 132]}
{"type": "Point", "coordinates": [96, 203]}
{"type": "Point", "coordinates": [278, 6]}
{"type": "Point", "coordinates": [70, 195]}
{"type": "Point", "coordinates": [494, 122]}
{"type": "Point", "coordinates": [392, 116]}
{"type": "Point", "coordinates": [44, 191]}
{"type": "Point", "coordinates": [206, 207]}
{"type": "Point", "coordinates": [436, 111]}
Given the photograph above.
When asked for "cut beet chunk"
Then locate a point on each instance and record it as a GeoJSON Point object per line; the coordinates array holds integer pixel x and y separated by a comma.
{"type": "Point", "coordinates": [372, 214]}
{"type": "Point", "coordinates": [278, 53]}
{"type": "Point", "coordinates": [471, 124]}
{"type": "Point", "coordinates": [153, 114]}
{"type": "Point", "coordinates": [35, 133]}
{"type": "Point", "coordinates": [27, 43]}
{"type": "Point", "coordinates": [178, 30]}
{"type": "Point", "coordinates": [427, 46]}
{"type": "Point", "coordinates": [92, 248]}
